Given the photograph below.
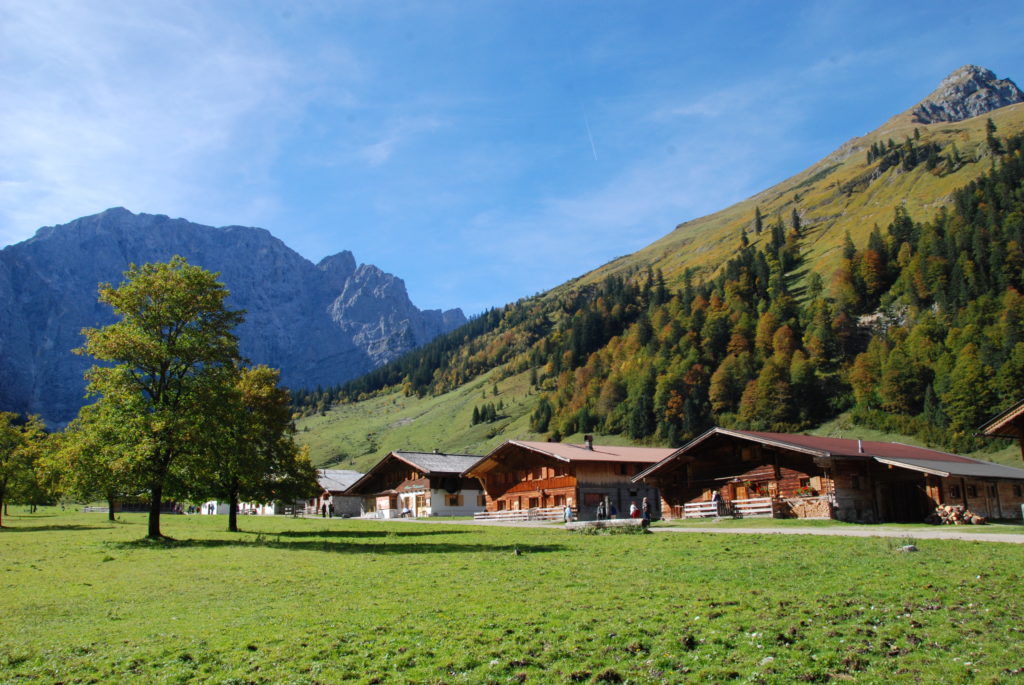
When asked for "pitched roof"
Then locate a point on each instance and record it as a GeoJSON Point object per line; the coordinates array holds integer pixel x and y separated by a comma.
{"type": "Point", "coordinates": [335, 480]}
{"type": "Point", "coordinates": [1003, 424]}
{"type": "Point", "coordinates": [618, 453]}
{"type": "Point", "coordinates": [438, 462]}
{"type": "Point", "coordinates": [893, 453]}
{"type": "Point", "coordinates": [428, 463]}
{"type": "Point", "coordinates": [568, 452]}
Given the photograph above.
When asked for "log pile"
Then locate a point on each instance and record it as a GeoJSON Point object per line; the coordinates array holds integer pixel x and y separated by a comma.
{"type": "Point", "coordinates": [955, 515]}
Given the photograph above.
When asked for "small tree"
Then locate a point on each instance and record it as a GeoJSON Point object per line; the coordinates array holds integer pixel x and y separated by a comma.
{"type": "Point", "coordinates": [172, 347]}
{"type": "Point", "coordinates": [93, 457]}
{"type": "Point", "coordinates": [251, 454]}
{"type": "Point", "coordinates": [21, 446]}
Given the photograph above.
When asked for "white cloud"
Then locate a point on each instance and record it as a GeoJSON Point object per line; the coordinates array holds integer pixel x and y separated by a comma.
{"type": "Point", "coordinates": [131, 104]}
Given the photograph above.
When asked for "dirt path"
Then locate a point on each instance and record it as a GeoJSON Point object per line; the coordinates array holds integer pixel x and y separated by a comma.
{"type": "Point", "coordinates": [938, 533]}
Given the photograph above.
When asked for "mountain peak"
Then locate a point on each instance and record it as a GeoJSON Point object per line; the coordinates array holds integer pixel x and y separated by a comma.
{"type": "Point", "coordinates": [968, 92]}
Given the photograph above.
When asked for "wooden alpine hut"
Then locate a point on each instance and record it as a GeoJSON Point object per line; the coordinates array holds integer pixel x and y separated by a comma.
{"type": "Point", "coordinates": [520, 475]}
{"type": "Point", "coordinates": [748, 473]}
{"type": "Point", "coordinates": [414, 484]}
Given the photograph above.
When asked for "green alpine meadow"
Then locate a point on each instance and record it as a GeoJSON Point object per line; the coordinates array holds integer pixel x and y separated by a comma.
{"type": "Point", "coordinates": [330, 601]}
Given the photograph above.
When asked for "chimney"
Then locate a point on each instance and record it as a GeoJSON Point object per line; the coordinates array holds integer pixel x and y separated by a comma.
{"type": "Point", "coordinates": [589, 439]}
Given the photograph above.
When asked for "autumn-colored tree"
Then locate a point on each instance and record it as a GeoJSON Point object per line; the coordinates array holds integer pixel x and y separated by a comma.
{"type": "Point", "coordinates": [172, 346]}
{"type": "Point", "coordinates": [22, 443]}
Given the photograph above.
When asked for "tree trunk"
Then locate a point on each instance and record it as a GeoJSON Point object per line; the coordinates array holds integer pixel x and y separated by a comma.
{"type": "Point", "coordinates": [233, 512]}
{"type": "Point", "coordinates": [110, 507]}
{"type": "Point", "coordinates": [154, 512]}
{"type": "Point", "coordinates": [3, 510]}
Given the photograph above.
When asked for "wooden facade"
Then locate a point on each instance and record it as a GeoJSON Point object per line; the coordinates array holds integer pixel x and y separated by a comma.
{"type": "Point", "coordinates": [813, 477]}
{"type": "Point", "coordinates": [522, 475]}
{"type": "Point", "coordinates": [417, 484]}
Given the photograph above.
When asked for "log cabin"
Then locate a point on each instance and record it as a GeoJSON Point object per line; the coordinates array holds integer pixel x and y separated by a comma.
{"type": "Point", "coordinates": [744, 473]}
{"type": "Point", "coordinates": [419, 484]}
{"type": "Point", "coordinates": [520, 475]}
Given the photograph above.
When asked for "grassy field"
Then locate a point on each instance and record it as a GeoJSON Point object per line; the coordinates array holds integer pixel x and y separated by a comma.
{"type": "Point", "coordinates": [329, 601]}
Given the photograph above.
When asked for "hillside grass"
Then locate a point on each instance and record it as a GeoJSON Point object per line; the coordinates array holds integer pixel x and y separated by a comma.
{"type": "Point", "coordinates": [315, 601]}
{"type": "Point", "coordinates": [827, 210]}
{"type": "Point", "coordinates": [356, 435]}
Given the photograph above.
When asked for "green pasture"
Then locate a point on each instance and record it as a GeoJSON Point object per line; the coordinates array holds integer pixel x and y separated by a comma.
{"type": "Point", "coordinates": [337, 601]}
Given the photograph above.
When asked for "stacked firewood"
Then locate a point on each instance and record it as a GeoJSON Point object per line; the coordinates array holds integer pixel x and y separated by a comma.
{"type": "Point", "coordinates": [955, 515]}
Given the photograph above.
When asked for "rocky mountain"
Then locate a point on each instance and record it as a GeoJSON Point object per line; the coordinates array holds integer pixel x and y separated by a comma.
{"type": "Point", "coordinates": [319, 323]}
{"type": "Point", "coordinates": [969, 91]}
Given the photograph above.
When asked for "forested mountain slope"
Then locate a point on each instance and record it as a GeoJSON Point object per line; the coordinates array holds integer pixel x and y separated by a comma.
{"type": "Point", "coordinates": [884, 282]}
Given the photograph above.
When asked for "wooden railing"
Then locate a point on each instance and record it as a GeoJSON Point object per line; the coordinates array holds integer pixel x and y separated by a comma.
{"type": "Point", "coordinates": [700, 509]}
{"type": "Point", "coordinates": [752, 508]}
{"type": "Point", "coordinates": [532, 514]}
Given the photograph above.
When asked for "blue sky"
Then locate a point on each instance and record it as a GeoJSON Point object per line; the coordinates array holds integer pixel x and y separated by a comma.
{"type": "Point", "coordinates": [482, 151]}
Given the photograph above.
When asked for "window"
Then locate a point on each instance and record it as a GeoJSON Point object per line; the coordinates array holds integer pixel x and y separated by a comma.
{"type": "Point", "coordinates": [954, 492]}
{"type": "Point", "coordinates": [622, 470]}
{"type": "Point", "coordinates": [991, 490]}
{"type": "Point", "coordinates": [591, 499]}
{"type": "Point", "coordinates": [1017, 490]}
{"type": "Point", "coordinates": [481, 500]}
{"type": "Point", "coordinates": [453, 500]}
{"type": "Point", "coordinates": [972, 490]}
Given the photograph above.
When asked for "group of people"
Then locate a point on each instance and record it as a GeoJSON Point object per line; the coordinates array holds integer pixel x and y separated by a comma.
{"type": "Point", "coordinates": [606, 510]}
{"type": "Point", "coordinates": [327, 510]}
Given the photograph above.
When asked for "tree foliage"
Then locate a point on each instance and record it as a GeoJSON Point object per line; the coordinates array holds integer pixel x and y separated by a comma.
{"type": "Point", "coordinates": [22, 447]}
{"type": "Point", "coordinates": [172, 348]}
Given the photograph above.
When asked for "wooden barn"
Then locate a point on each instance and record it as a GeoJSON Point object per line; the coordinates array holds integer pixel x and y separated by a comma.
{"type": "Point", "coordinates": [419, 484]}
{"type": "Point", "coordinates": [746, 473]}
{"type": "Point", "coordinates": [520, 475]}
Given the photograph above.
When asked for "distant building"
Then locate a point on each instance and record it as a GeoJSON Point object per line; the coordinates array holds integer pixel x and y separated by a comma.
{"type": "Point", "coordinates": [728, 471]}
{"type": "Point", "coordinates": [333, 483]}
{"type": "Point", "coordinates": [419, 484]}
{"type": "Point", "coordinates": [520, 475]}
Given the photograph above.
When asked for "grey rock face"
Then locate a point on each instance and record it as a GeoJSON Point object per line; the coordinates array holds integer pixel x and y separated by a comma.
{"type": "Point", "coordinates": [320, 324]}
{"type": "Point", "coordinates": [967, 92]}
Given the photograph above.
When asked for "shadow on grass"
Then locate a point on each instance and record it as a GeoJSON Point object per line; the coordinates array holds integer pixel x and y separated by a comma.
{"type": "Point", "coordinates": [361, 533]}
{"type": "Point", "coordinates": [33, 529]}
{"type": "Point", "coordinates": [382, 547]}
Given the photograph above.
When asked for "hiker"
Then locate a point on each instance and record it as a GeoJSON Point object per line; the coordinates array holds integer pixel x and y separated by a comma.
{"type": "Point", "coordinates": [323, 510]}
{"type": "Point", "coordinates": [645, 511]}
{"type": "Point", "coordinates": [613, 511]}
{"type": "Point", "coordinates": [567, 514]}
{"type": "Point", "coordinates": [600, 510]}
{"type": "Point", "coordinates": [330, 511]}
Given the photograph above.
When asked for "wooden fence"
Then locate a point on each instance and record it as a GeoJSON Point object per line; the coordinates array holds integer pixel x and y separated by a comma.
{"type": "Point", "coordinates": [533, 514]}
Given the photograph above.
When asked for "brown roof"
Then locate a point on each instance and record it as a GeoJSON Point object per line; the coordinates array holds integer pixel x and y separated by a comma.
{"type": "Point", "coordinates": [618, 453]}
{"type": "Point", "coordinates": [846, 447]}
{"type": "Point", "coordinates": [894, 453]}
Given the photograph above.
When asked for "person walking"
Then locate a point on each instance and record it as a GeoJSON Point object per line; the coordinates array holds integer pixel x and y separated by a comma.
{"type": "Point", "coordinates": [600, 510]}
{"type": "Point", "coordinates": [567, 514]}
